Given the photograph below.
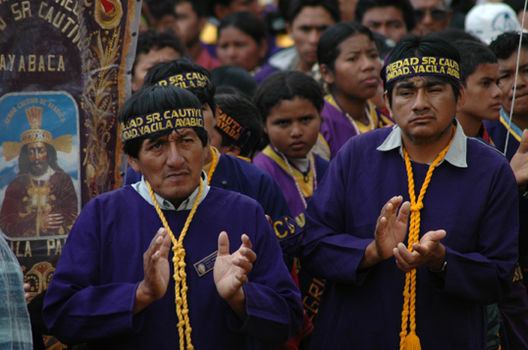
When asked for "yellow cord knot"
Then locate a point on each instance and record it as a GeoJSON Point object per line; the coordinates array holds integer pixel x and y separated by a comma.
{"type": "Point", "coordinates": [416, 207]}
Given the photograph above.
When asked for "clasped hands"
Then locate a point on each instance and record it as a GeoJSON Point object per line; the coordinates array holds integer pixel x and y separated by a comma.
{"type": "Point", "coordinates": [230, 271]}
{"type": "Point", "coordinates": [391, 230]}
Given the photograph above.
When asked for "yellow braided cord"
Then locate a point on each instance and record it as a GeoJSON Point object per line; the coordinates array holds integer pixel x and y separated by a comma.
{"type": "Point", "coordinates": [180, 276]}
{"type": "Point", "coordinates": [409, 340]}
{"type": "Point", "coordinates": [214, 163]}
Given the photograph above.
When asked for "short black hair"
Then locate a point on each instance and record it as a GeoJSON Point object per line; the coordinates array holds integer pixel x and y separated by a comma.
{"type": "Point", "coordinates": [416, 46]}
{"type": "Point", "coordinates": [200, 7]}
{"type": "Point", "coordinates": [160, 8]}
{"type": "Point", "coordinates": [243, 111]}
{"type": "Point", "coordinates": [156, 99]}
{"type": "Point", "coordinates": [508, 43]}
{"type": "Point", "coordinates": [404, 6]}
{"type": "Point", "coordinates": [286, 85]}
{"type": "Point", "coordinates": [163, 70]}
{"type": "Point", "coordinates": [453, 34]}
{"type": "Point", "coordinates": [247, 23]}
{"type": "Point", "coordinates": [155, 40]}
{"type": "Point", "coordinates": [516, 5]}
{"type": "Point", "coordinates": [472, 55]}
{"type": "Point", "coordinates": [225, 3]}
{"type": "Point", "coordinates": [234, 77]}
{"type": "Point", "coordinates": [293, 7]}
{"type": "Point", "coordinates": [328, 45]}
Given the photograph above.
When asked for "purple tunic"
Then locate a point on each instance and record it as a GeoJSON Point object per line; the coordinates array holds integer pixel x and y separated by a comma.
{"type": "Point", "coordinates": [285, 180]}
{"type": "Point", "coordinates": [513, 307]}
{"type": "Point", "coordinates": [477, 206]}
{"type": "Point", "coordinates": [92, 293]}
{"type": "Point", "coordinates": [337, 128]}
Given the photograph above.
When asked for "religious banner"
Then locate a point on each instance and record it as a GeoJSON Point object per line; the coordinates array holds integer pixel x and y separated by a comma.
{"type": "Point", "coordinates": [64, 73]}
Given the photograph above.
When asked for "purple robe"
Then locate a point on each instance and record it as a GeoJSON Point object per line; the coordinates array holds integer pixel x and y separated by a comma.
{"type": "Point", "coordinates": [284, 179]}
{"type": "Point", "coordinates": [337, 128]}
{"type": "Point", "coordinates": [513, 307]}
{"type": "Point", "coordinates": [92, 293]}
{"type": "Point", "coordinates": [478, 208]}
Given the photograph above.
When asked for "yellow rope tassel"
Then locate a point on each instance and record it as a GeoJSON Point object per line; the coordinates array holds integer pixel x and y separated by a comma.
{"type": "Point", "coordinates": [180, 276]}
{"type": "Point", "coordinates": [408, 338]}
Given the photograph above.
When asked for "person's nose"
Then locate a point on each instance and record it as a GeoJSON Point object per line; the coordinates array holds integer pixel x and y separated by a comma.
{"type": "Point", "coordinates": [174, 158]}
{"type": "Point", "coordinates": [427, 19]}
{"type": "Point", "coordinates": [39, 155]}
{"type": "Point", "coordinates": [421, 101]}
{"type": "Point", "coordinates": [296, 130]}
{"type": "Point", "coordinates": [367, 63]}
{"type": "Point", "coordinates": [313, 36]}
{"type": "Point", "coordinates": [231, 51]}
{"type": "Point", "coordinates": [382, 29]}
{"type": "Point", "coordinates": [496, 92]}
{"type": "Point", "coordinates": [522, 81]}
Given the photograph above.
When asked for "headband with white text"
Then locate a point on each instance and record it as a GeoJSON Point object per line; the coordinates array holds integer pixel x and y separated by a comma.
{"type": "Point", "coordinates": [413, 66]}
{"type": "Point", "coordinates": [186, 80]}
{"type": "Point", "coordinates": [152, 123]}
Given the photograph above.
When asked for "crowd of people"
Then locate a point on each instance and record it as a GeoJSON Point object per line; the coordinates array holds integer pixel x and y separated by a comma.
{"type": "Point", "coordinates": [306, 174]}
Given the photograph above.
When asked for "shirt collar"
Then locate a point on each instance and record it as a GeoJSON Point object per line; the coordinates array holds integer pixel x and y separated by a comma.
{"type": "Point", "coordinates": [456, 155]}
{"type": "Point", "coordinates": [141, 188]}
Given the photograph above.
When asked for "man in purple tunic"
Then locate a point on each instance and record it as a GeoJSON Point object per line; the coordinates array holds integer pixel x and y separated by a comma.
{"type": "Point", "coordinates": [385, 288]}
{"type": "Point", "coordinates": [115, 286]}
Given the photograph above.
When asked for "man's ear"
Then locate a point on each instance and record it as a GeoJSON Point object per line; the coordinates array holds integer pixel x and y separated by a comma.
{"type": "Point", "coordinates": [134, 163]}
{"type": "Point", "coordinates": [232, 150]}
{"type": "Point", "coordinates": [135, 84]}
{"type": "Point", "coordinates": [461, 99]}
{"type": "Point", "coordinates": [387, 104]}
{"type": "Point", "coordinates": [327, 75]}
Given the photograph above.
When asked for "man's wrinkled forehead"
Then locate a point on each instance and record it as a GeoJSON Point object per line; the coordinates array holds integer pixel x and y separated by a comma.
{"type": "Point", "coordinates": [417, 82]}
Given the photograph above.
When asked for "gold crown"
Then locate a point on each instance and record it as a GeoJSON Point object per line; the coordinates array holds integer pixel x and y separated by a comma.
{"type": "Point", "coordinates": [35, 134]}
{"type": "Point", "coordinates": [62, 143]}
{"type": "Point", "coordinates": [34, 116]}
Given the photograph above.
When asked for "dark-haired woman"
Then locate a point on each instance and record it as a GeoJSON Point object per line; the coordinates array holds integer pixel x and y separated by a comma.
{"type": "Point", "coordinates": [350, 66]}
{"type": "Point", "coordinates": [242, 41]}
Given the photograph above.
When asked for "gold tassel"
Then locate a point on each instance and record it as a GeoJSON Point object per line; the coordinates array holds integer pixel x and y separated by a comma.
{"type": "Point", "coordinates": [412, 342]}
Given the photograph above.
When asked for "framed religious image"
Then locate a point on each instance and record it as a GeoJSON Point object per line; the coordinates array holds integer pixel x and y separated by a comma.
{"type": "Point", "coordinates": [39, 165]}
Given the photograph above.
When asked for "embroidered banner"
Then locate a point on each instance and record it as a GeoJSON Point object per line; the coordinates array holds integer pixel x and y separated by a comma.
{"type": "Point", "coordinates": [63, 73]}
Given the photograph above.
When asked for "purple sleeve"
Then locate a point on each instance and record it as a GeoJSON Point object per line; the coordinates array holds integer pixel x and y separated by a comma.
{"type": "Point", "coordinates": [77, 305]}
{"type": "Point", "coordinates": [486, 275]}
{"type": "Point", "coordinates": [327, 251]}
{"type": "Point", "coordinates": [273, 303]}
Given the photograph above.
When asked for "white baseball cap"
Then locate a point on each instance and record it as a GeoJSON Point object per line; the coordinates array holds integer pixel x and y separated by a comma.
{"type": "Point", "coordinates": [488, 20]}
